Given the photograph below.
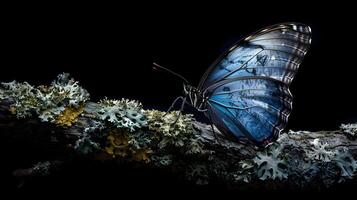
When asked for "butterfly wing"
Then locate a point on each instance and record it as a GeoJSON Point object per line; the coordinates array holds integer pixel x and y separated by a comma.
{"type": "Point", "coordinates": [248, 86]}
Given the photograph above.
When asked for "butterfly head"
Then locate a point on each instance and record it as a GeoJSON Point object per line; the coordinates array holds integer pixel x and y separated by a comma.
{"type": "Point", "coordinates": [197, 99]}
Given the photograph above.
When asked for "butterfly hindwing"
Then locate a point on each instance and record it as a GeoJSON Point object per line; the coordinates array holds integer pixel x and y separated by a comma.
{"type": "Point", "coordinates": [255, 106]}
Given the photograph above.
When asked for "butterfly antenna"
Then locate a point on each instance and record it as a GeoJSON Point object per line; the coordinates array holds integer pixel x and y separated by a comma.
{"type": "Point", "coordinates": [156, 66]}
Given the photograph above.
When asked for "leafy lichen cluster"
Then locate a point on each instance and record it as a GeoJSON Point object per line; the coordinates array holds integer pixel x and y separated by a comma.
{"type": "Point", "coordinates": [270, 164]}
{"type": "Point", "coordinates": [60, 103]}
{"type": "Point", "coordinates": [288, 159]}
{"type": "Point", "coordinates": [156, 139]}
{"type": "Point", "coordinates": [350, 129]}
{"type": "Point", "coordinates": [122, 129]}
{"type": "Point", "coordinates": [122, 113]}
{"type": "Point", "coordinates": [175, 129]}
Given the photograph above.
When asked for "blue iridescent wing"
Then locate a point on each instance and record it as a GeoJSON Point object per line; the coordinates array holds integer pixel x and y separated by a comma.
{"type": "Point", "coordinates": [254, 109]}
{"type": "Point", "coordinates": [248, 86]}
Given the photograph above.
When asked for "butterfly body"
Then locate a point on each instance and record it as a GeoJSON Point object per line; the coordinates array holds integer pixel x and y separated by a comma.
{"type": "Point", "coordinates": [197, 98]}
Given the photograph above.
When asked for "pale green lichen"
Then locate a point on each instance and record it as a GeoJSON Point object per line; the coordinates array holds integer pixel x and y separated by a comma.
{"type": "Point", "coordinates": [47, 102]}
{"type": "Point", "coordinates": [174, 128]}
{"type": "Point", "coordinates": [146, 134]}
{"type": "Point", "coordinates": [85, 145]}
{"type": "Point", "coordinates": [141, 139]}
{"type": "Point", "coordinates": [270, 164]}
{"type": "Point", "coordinates": [286, 159]}
{"type": "Point", "coordinates": [320, 151]}
{"type": "Point", "coordinates": [346, 163]}
{"type": "Point", "coordinates": [66, 90]}
{"type": "Point", "coordinates": [122, 113]}
{"type": "Point", "coordinates": [170, 124]}
{"type": "Point", "coordinates": [194, 146]}
{"type": "Point", "coordinates": [89, 140]}
{"type": "Point", "coordinates": [63, 92]}
{"type": "Point", "coordinates": [350, 129]}
{"type": "Point", "coordinates": [245, 171]}
{"type": "Point", "coordinates": [164, 160]}
{"type": "Point", "coordinates": [24, 97]}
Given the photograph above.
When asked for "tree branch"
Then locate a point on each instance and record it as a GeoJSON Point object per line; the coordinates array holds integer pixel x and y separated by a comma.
{"type": "Point", "coordinates": [122, 130]}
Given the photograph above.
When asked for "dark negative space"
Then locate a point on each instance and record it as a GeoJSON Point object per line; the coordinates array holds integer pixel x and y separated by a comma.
{"type": "Point", "coordinates": [111, 54]}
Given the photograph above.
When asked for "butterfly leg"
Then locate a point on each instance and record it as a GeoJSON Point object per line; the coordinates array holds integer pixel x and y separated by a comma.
{"type": "Point", "coordinates": [181, 109]}
{"type": "Point", "coordinates": [173, 104]}
{"type": "Point", "coordinates": [214, 132]}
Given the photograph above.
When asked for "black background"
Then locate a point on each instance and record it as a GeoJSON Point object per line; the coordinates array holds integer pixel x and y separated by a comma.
{"type": "Point", "coordinates": [110, 50]}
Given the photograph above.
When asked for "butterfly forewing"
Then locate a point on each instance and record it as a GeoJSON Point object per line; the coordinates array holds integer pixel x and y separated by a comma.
{"type": "Point", "coordinates": [248, 85]}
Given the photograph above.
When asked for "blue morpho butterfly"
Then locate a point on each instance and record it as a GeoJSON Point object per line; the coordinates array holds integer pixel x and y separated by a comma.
{"type": "Point", "coordinates": [245, 92]}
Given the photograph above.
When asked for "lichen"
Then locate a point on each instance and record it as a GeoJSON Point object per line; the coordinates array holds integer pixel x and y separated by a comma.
{"type": "Point", "coordinates": [123, 113]}
{"type": "Point", "coordinates": [85, 145]}
{"type": "Point", "coordinates": [123, 130]}
{"type": "Point", "coordinates": [171, 124]}
{"type": "Point", "coordinates": [63, 93]}
{"type": "Point", "coordinates": [346, 163]}
{"type": "Point", "coordinates": [117, 144]}
{"type": "Point", "coordinates": [198, 173]}
{"type": "Point", "coordinates": [89, 140]}
{"type": "Point", "coordinates": [142, 155]}
{"type": "Point", "coordinates": [174, 128]}
{"type": "Point", "coordinates": [118, 147]}
{"type": "Point", "coordinates": [68, 91]}
{"type": "Point", "coordinates": [245, 171]}
{"type": "Point", "coordinates": [67, 117]}
{"type": "Point", "coordinates": [163, 160]}
{"type": "Point", "coordinates": [194, 146]}
{"type": "Point", "coordinates": [350, 129]}
{"type": "Point", "coordinates": [270, 164]}
{"type": "Point", "coordinates": [24, 97]}
{"type": "Point", "coordinates": [141, 139]}
{"type": "Point", "coordinates": [47, 102]}
{"type": "Point", "coordinates": [319, 151]}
